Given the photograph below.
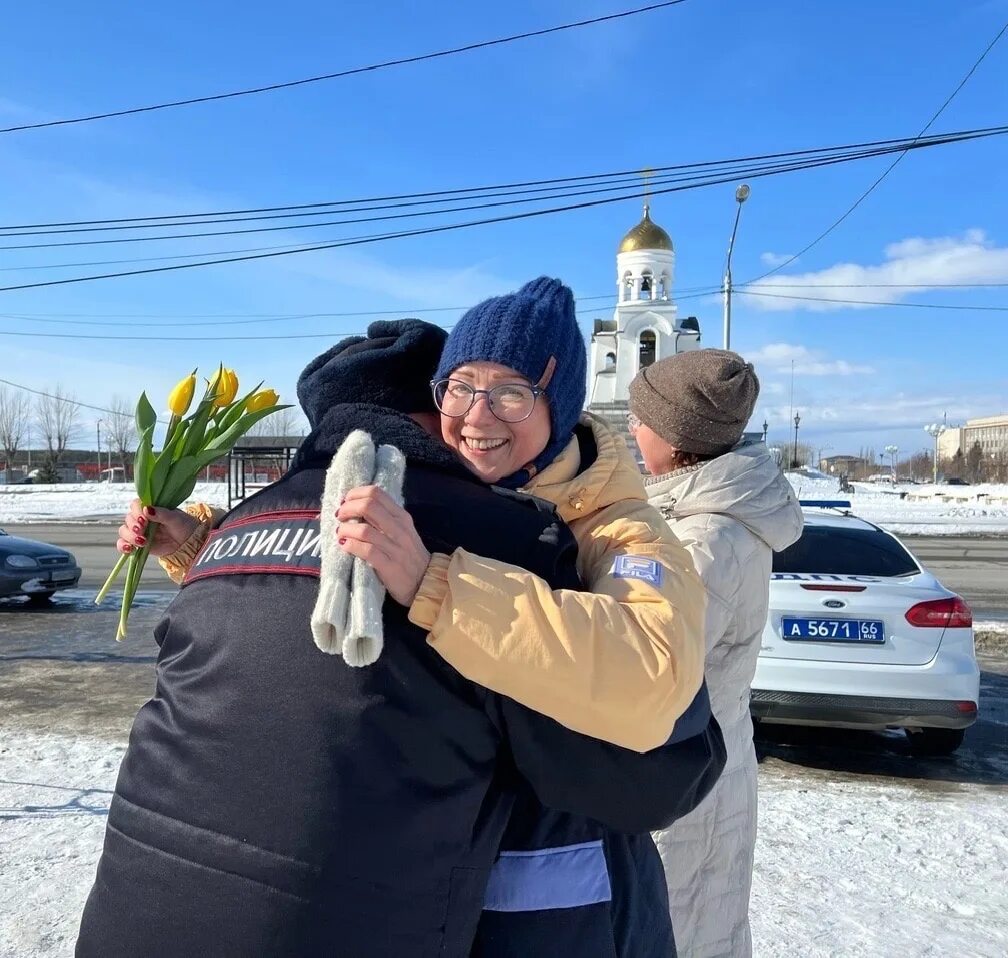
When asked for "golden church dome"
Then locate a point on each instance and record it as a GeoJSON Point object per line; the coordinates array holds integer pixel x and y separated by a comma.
{"type": "Point", "coordinates": [645, 235]}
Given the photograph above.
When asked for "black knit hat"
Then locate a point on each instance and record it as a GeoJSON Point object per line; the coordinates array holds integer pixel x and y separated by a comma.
{"type": "Point", "coordinates": [392, 367]}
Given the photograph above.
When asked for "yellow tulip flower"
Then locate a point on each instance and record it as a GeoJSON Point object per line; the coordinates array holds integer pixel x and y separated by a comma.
{"type": "Point", "coordinates": [180, 398]}
{"type": "Point", "coordinates": [262, 400]}
{"type": "Point", "coordinates": [224, 387]}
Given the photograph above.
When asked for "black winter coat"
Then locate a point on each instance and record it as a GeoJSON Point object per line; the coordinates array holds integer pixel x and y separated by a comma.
{"type": "Point", "coordinates": [275, 802]}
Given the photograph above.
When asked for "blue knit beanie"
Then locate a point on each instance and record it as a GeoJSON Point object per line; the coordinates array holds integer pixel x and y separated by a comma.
{"type": "Point", "coordinates": [535, 332]}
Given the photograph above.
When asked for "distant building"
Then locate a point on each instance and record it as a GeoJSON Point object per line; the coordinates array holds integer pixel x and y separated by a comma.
{"type": "Point", "coordinates": [991, 432]}
{"type": "Point", "coordinates": [843, 465]}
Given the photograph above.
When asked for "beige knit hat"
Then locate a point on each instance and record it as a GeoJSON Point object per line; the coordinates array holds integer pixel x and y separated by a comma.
{"type": "Point", "coordinates": [698, 401]}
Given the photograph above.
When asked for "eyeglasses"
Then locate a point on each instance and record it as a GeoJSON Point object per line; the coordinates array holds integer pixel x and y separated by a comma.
{"type": "Point", "coordinates": [509, 402]}
{"type": "Point", "coordinates": [632, 422]}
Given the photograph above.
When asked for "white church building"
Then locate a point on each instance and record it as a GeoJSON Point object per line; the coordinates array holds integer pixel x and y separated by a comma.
{"type": "Point", "coordinates": [645, 326]}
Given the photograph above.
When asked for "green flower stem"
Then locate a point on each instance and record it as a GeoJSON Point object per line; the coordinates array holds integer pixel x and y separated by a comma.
{"type": "Point", "coordinates": [113, 575]}
{"type": "Point", "coordinates": [136, 565]}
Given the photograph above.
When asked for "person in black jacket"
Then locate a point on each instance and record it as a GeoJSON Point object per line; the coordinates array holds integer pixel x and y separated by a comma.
{"type": "Point", "coordinates": [274, 801]}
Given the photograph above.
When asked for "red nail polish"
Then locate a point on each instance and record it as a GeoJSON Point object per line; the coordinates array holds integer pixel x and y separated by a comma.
{"type": "Point", "coordinates": [148, 511]}
{"type": "Point", "coordinates": [342, 542]}
{"type": "Point", "coordinates": [127, 547]}
{"type": "Point", "coordinates": [141, 521]}
{"type": "Point", "coordinates": [140, 540]}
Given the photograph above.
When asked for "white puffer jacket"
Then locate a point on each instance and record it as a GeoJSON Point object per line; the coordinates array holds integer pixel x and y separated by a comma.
{"type": "Point", "coordinates": [730, 513]}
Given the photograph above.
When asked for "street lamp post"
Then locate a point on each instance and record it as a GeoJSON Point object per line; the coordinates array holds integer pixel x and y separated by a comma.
{"type": "Point", "coordinates": [766, 426]}
{"type": "Point", "coordinates": [892, 450]}
{"type": "Point", "coordinates": [794, 458]}
{"type": "Point", "coordinates": [741, 195]}
{"type": "Point", "coordinates": [934, 430]}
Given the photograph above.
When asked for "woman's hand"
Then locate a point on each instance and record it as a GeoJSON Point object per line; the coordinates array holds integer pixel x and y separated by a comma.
{"type": "Point", "coordinates": [385, 538]}
{"type": "Point", "coordinates": [171, 528]}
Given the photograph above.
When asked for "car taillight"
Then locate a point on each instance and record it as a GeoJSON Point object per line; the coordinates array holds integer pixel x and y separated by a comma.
{"type": "Point", "coordinates": [951, 613]}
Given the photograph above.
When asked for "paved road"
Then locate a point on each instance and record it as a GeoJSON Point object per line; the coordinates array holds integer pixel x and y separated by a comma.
{"type": "Point", "coordinates": [976, 568]}
{"type": "Point", "coordinates": [94, 547]}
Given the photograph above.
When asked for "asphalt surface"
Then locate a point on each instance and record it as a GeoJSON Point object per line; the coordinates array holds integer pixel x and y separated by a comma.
{"type": "Point", "coordinates": [61, 670]}
{"type": "Point", "coordinates": [976, 568]}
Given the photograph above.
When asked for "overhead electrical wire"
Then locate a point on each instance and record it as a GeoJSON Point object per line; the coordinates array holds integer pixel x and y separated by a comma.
{"type": "Point", "coordinates": [878, 180]}
{"type": "Point", "coordinates": [721, 177]}
{"type": "Point", "coordinates": [872, 302]}
{"type": "Point", "coordinates": [627, 178]}
{"type": "Point", "coordinates": [371, 68]}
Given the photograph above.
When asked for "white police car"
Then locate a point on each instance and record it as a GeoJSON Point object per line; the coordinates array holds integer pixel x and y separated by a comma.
{"type": "Point", "coordinates": [861, 635]}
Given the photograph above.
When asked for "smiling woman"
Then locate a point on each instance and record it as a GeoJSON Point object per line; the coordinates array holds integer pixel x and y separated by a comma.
{"type": "Point", "coordinates": [620, 661]}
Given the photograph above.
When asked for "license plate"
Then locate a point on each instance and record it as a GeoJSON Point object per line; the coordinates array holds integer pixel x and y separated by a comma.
{"type": "Point", "coordinates": [64, 576]}
{"type": "Point", "coordinates": [833, 630]}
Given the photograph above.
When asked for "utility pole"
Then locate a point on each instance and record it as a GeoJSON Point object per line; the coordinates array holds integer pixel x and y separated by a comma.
{"type": "Point", "coordinates": [98, 427]}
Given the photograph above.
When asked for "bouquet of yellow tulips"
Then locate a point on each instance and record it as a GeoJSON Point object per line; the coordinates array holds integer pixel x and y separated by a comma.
{"type": "Point", "coordinates": [191, 443]}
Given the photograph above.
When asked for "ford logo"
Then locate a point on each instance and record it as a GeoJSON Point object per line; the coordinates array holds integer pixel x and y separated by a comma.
{"type": "Point", "coordinates": [834, 604]}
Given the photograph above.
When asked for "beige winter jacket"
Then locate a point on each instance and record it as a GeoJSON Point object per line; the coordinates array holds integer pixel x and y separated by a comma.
{"type": "Point", "coordinates": [731, 513]}
{"type": "Point", "coordinates": [620, 661]}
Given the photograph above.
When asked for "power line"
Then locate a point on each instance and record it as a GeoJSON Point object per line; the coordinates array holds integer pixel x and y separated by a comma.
{"type": "Point", "coordinates": [871, 189]}
{"type": "Point", "coordinates": [402, 61]}
{"type": "Point", "coordinates": [853, 150]}
{"type": "Point", "coordinates": [426, 231]}
{"type": "Point", "coordinates": [748, 170]}
{"type": "Point", "coordinates": [872, 302]}
{"type": "Point", "coordinates": [926, 285]}
{"type": "Point", "coordinates": [751, 171]}
{"type": "Point", "coordinates": [69, 399]}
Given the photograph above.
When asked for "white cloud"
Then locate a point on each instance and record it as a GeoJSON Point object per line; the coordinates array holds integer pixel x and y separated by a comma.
{"type": "Point", "coordinates": [776, 357]}
{"type": "Point", "coordinates": [913, 264]}
{"type": "Point", "coordinates": [774, 259]}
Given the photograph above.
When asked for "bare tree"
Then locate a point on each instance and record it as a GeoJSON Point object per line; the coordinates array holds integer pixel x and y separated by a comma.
{"type": "Point", "coordinates": [15, 410]}
{"type": "Point", "coordinates": [974, 462]}
{"type": "Point", "coordinates": [56, 415]}
{"type": "Point", "coordinates": [921, 466]}
{"type": "Point", "coordinates": [121, 425]}
{"type": "Point", "coordinates": [284, 423]}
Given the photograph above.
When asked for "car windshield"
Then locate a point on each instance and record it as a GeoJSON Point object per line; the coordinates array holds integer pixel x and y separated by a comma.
{"type": "Point", "coordinates": [828, 550]}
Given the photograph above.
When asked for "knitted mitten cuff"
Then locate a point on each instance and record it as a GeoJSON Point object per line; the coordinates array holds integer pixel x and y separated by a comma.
{"type": "Point", "coordinates": [176, 565]}
{"type": "Point", "coordinates": [431, 594]}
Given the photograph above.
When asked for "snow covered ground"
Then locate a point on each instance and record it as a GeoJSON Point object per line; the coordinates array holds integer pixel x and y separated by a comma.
{"type": "Point", "coordinates": [878, 503]}
{"type": "Point", "coordinates": [924, 516]}
{"type": "Point", "coordinates": [844, 867]}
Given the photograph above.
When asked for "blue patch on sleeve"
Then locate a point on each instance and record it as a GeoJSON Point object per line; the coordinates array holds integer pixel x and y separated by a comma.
{"type": "Point", "coordinates": [638, 567]}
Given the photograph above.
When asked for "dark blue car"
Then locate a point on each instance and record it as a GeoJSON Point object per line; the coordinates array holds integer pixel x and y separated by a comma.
{"type": "Point", "coordinates": [35, 569]}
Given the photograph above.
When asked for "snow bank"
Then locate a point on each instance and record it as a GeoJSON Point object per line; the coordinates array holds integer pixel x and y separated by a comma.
{"type": "Point", "coordinates": [925, 516]}
{"type": "Point", "coordinates": [843, 867]}
{"type": "Point", "coordinates": [858, 869]}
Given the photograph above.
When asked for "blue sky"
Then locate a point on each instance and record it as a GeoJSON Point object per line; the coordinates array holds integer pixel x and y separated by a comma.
{"type": "Point", "coordinates": [704, 80]}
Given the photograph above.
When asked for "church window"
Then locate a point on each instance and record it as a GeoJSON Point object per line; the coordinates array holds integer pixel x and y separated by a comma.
{"type": "Point", "coordinates": [627, 285]}
{"type": "Point", "coordinates": [610, 360]}
{"type": "Point", "coordinates": [646, 349]}
{"type": "Point", "coordinates": [647, 285]}
{"type": "Point", "coordinates": [663, 286]}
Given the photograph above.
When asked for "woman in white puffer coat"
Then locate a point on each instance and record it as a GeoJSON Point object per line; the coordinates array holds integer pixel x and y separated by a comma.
{"type": "Point", "coordinates": [731, 508]}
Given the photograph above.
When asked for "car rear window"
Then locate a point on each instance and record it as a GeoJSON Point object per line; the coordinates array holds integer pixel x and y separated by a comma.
{"type": "Point", "coordinates": [828, 550]}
